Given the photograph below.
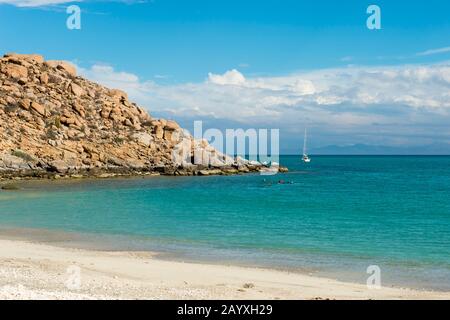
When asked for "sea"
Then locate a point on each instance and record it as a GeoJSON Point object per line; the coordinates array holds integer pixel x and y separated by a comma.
{"type": "Point", "coordinates": [336, 217]}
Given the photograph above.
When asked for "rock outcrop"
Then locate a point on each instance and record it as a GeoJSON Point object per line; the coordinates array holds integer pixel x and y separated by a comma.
{"type": "Point", "coordinates": [53, 123]}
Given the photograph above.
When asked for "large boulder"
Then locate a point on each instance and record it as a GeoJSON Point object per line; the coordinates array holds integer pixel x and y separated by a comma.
{"type": "Point", "coordinates": [59, 166]}
{"type": "Point", "coordinates": [143, 138]}
{"type": "Point", "coordinates": [38, 108]}
{"type": "Point", "coordinates": [171, 125]}
{"type": "Point", "coordinates": [25, 103]}
{"type": "Point", "coordinates": [33, 58]}
{"type": "Point", "coordinates": [76, 89]}
{"type": "Point", "coordinates": [10, 162]}
{"type": "Point", "coordinates": [159, 132]}
{"type": "Point", "coordinates": [15, 71]}
{"type": "Point", "coordinates": [63, 65]}
{"type": "Point", "coordinates": [118, 94]}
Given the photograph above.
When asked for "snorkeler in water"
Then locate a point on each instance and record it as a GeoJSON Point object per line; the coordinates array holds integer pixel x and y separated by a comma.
{"type": "Point", "coordinates": [281, 181]}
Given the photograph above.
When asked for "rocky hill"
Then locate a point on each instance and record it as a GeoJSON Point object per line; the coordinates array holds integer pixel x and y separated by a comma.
{"type": "Point", "coordinates": [55, 123]}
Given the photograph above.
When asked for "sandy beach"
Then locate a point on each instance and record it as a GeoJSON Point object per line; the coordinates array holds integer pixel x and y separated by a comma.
{"type": "Point", "coordinates": [38, 271]}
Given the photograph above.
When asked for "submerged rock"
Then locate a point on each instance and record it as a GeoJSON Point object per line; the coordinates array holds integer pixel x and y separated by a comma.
{"type": "Point", "coordinates": [10, 187]}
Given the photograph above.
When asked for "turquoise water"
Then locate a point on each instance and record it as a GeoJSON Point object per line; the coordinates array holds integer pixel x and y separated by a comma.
{"type": "Point", "coordinates": [339, 215]}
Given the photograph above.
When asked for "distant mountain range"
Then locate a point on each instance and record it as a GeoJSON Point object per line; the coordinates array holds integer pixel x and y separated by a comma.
{"type": "Point", "coordinates": [363, 149]}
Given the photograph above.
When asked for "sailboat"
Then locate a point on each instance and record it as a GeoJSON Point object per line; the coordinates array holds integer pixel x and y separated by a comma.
{"type": "Point", "coordinates": [305, 157]}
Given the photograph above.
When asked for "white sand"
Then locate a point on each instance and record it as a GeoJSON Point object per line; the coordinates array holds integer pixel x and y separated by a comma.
{"type": "Point", "coordinates": [37, 271]}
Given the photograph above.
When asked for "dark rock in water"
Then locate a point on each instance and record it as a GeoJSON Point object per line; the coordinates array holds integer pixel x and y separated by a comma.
{"type": "Point", "coordinates": [10, 187]}
{"type": "Point", "coordinates": [283, 170]}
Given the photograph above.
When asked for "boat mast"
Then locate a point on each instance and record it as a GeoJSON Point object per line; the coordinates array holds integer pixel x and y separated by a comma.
{"type": "Point", "coordinates": [304, 144]}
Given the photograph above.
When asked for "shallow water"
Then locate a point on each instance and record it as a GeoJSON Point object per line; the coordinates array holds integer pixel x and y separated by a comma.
{"type": "Point", "coordinates": [337, 216]}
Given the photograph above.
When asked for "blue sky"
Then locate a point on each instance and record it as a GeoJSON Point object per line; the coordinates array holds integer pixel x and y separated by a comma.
{"type": "Point", "coordinates": [281, 64]}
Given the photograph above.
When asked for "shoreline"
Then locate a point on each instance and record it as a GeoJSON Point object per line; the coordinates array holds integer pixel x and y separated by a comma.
{"type": "Point", "coordinates": [24, 175]}
{"type": "Point", "coordinates": [33, 270]}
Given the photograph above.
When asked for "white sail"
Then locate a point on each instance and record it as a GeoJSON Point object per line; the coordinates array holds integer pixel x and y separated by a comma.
{"type": "Point", "coordinates": [304, 143]}
{"type": "Point", "coordinates": [305, 157]}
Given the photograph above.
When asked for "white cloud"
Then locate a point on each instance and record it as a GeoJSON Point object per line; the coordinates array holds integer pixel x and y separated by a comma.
{"type": "Point", "coordinates": [434, 51]}
{"type": "Point", "coordinates": [105, 74]}
{"type": "Point", "coordinates": [369, 101]}
{"type": "Point", "coordinates": [35, 3]}
{"type": "Point", "coordinates": [232, 77]}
